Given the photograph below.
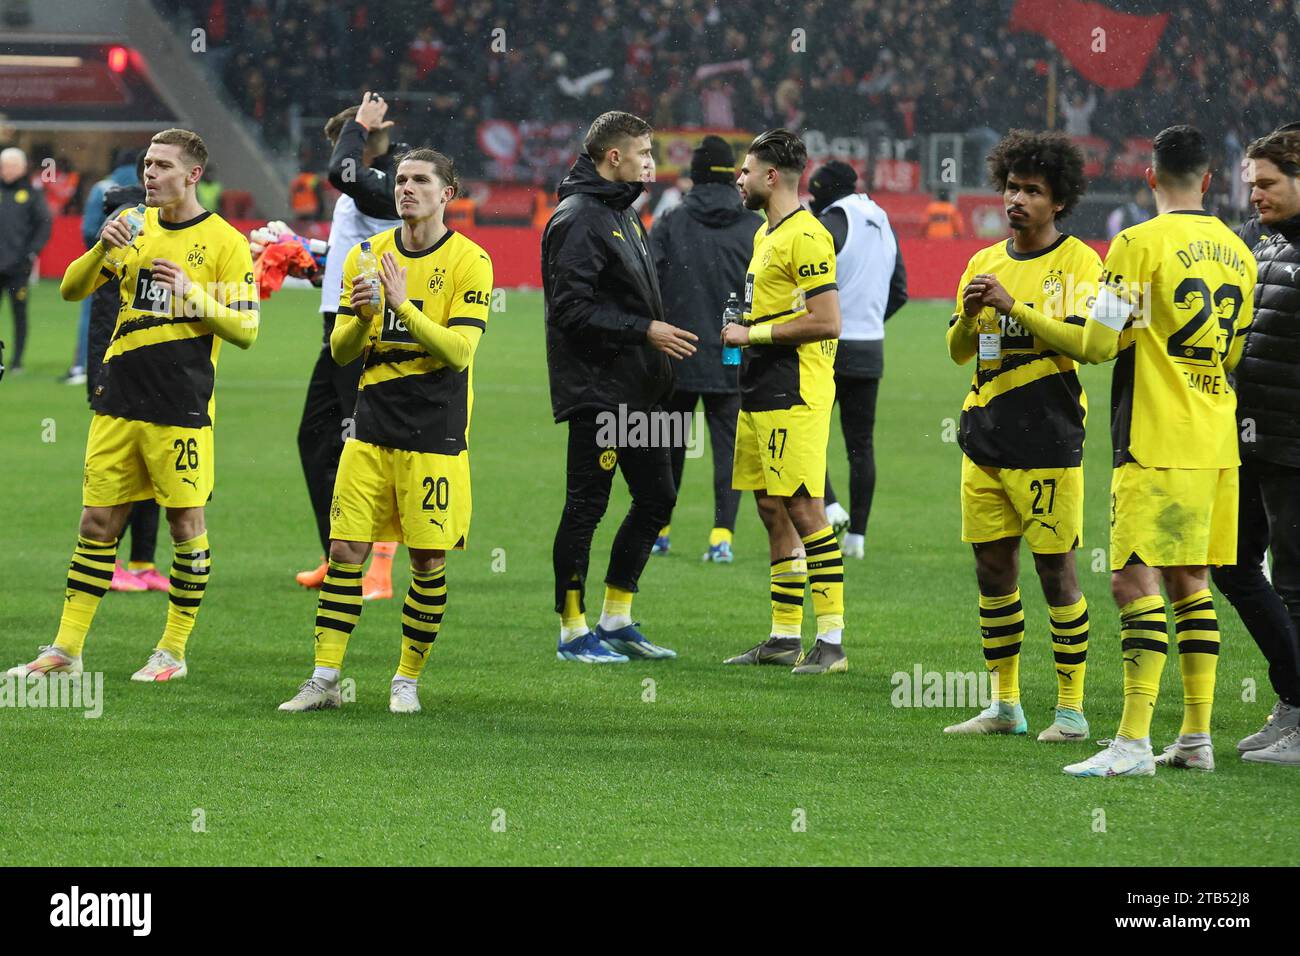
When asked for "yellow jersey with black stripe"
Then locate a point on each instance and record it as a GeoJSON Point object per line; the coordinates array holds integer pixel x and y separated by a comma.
{"type": "Point", "coordinates": [793, 261]}
{"type": "Point", "coordinates": [1180, 290]}
{"type": "Point", "coordinates": [408, 399]}
{"type": "Point", "coordinates": [1029, 412]}
{"type": "Point", "coordinates": [161, 363]}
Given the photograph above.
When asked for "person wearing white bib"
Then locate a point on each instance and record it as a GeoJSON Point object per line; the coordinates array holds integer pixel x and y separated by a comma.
{"type": "Point", "coordinates": [873, 286]}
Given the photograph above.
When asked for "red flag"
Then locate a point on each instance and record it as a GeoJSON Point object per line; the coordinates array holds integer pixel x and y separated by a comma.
{"type": "Point", "coordinates": [1108, 48]}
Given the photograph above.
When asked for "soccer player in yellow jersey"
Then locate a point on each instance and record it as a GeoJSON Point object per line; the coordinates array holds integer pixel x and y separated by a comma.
{"type": "Point", "coordinates": [1022, 426]}
{"type": "Point", "coordinates": [787, 388]}
{"type": "Point", "coordinates": [1176, 298]}
{"type": "Point", "coordinates": [186, 285]}
{"type": "Point", "coordinates": [404, 476]}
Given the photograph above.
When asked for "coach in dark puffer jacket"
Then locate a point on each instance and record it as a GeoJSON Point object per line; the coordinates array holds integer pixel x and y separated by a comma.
{"type": "Point", "coordinates": [1268, 407]}
{"type": "Point", "coordinates": [607, 350]}
{"type": "Point", "coordinates": [1252, 231]}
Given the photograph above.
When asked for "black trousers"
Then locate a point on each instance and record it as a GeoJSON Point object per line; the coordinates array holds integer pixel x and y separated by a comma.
{"type": "Point", "coordinates": [720, 412]}
{"type": "Point", "coordinates": [590, 473]}
{"type": "Point", "coordinates": [1268, 517]}
{"type": "Point", "coordinates": [15, 284]}
{"type": "Point", "coordinates": [143, 522]}
{"type": "Point", "coordinates": [331, 400]}
{"type": "Point", "coordinates": [857, 398]}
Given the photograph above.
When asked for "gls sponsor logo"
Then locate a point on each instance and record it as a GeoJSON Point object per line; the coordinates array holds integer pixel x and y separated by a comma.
{"type": "Point", "coordinates": [814, 269]}
{"type": "Point", "coordinates": [476, 297]}
{"type": "Point", "coordinates": [103, 909]}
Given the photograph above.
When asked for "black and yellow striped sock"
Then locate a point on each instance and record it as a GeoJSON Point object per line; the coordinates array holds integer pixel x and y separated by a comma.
{"type": "Point", "coordinates": [337, 611]}
{"type": "Point", "coordinates": [1002, 631]}
{"type": "Point", "coordinates": [1196, 627]}
{"type": "Point", "coordinates": [426, 601]}
{"type": "Point", "coordinates": [1144, 642]}
{"type": "Point", "coordinates": [89, 575]}
{"type": "Point", "coordinates": [826, 582]}
{"type": "Point", "coordinates": [189, 579]}
{"type": "Point", "coordinates": [789, 577]}
{"type": "Point", "coordinates": [1070, 650]}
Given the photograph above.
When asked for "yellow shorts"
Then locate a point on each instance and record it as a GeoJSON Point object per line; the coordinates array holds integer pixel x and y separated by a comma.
{"type": "Point", "coordinates": [1042, 505]}
{"type": "Point", "coordinates": [129, 460]}
{"type": "Point", "coordinates": [1170, 517]}
{"type": "Point", "coordinates": [781, 451]}
{"type": "Point", "coordinates": [387, 494]}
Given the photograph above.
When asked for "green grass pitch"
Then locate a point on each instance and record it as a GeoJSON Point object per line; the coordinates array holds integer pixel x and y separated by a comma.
{"type": "Point", "coordinates": [519, 758]}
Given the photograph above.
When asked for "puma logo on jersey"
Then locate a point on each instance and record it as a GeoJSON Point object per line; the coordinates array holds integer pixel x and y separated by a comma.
{"type": "Point", "coordinates": [1050, 527]}
{"type": "Point", "coordinates": [191, 482]}
{"type": "Point", "coordinates": [775, 471]}
{"type": "Point", "coordinates": [438, 523]}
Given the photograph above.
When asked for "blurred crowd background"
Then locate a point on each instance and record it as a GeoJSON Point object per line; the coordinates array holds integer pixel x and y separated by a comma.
{"type": "Point", "coordinates": [891, 68]}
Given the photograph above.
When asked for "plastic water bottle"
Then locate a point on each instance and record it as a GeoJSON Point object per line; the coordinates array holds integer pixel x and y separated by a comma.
{"type": "Point", "coordinates": [135, 220]}
{"type": "Point", "coordinates": [990, 340]}
{"type": "Point", "coordinates": [732, 313]}
{"type": "Point", "coordinates": [368, 266]}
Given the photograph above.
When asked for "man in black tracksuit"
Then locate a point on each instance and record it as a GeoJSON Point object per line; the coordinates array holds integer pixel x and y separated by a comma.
{"type": "Point", "coordinates": [701, 250]}
{"type": "Point", "coordinates": [1267, 381]}
{"type": "Point", "coordinates": [24, 229]}
{"type": "Point", "coordinates": [607, 351]}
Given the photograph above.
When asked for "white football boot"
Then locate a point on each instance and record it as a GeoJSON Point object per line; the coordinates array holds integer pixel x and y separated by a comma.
{"type": "Point", "coordinates": [51, 660]}
{"type": "Point", "coordinates": [1189, 752]}
{"type": "Point", "coordinates": [838, 518]}
{"type": "Point", "coordinates": [1070, 725]}
{"type": "Point", "coordinates": [854, 545]}
{"type": "Point", "coordinates": [402, 696]}
{"type": "Point", "coordinates": [160, 666]}
{"type": "Point", "coordinates": [314, 694]}
{"type": "Point", "coordinates": [1121, 758]}
{"type": "Point", "coordinates": [999, 718]}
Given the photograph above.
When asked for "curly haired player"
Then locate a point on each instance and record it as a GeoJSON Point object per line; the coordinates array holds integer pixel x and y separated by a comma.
{"type": "Point", "coordinates": [1022, 425]}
